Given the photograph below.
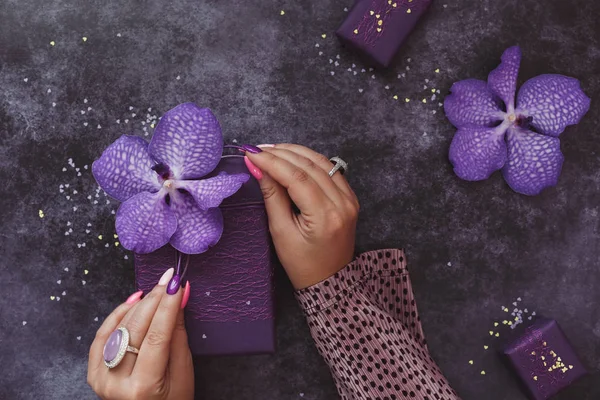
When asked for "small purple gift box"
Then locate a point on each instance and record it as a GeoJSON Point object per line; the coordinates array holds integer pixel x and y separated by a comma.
{"type": "Point", "coordinates": [230, 310]}
{"type": "Point", "coordinates": [377, 28]}
{"type": "Point", "coordinates": [544, 359]}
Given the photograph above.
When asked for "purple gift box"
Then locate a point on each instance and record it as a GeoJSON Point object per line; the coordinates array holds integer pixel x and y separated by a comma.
{"type": "Point", "coordinates": [543, 359]}
{"type": "Point", "coordinates": [230, 310]}
{"type": "Point", "coordinates": [377, 28]}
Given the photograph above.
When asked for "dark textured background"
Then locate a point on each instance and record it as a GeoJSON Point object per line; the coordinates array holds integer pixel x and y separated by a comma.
{"type": "Point", "coordinates": [472, 247]}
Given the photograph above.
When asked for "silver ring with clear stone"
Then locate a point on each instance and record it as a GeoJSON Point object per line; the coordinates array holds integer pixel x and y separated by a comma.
{"type": "Point", "coordinates": [117, 346]}
{"type": "Point", "coordinates": [339, 164]}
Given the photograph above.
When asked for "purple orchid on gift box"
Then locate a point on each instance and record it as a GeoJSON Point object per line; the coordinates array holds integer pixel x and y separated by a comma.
{"type": "Point", "coordinates": [164, 201]}
{"type": "Point", "coordinates": [521, 140]}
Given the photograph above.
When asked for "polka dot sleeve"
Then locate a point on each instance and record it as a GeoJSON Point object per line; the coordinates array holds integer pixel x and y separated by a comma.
{"type": "Point", "coordinates": [365, 324]}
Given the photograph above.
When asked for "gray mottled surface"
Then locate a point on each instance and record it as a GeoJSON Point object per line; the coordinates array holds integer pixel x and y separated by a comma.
{"type": "Point", "coordinates": [473, 247]}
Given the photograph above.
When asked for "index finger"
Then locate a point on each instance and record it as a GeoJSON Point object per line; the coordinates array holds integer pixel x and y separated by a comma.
{"type": "Point", "coordinates": [322, 162]}
{"type": "Point", "coordinates": [154, 352]}
{"type": "Point", "coordinates": [303, 190]}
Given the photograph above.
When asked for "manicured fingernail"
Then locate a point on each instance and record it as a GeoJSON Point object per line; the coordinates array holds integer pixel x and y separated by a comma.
{"type": "Point", "coordinates": [166, 277]}
{"type": "Point", "coordinates": [257, 173]}
{"type": "Point", "coordinates": [186, 294]}
{"type": "Point", "coordinates": [251, 149]}
{"type": "Point", "coordinates": [173, 286]}
{"type": "Point", "coordinates": [134, 297]}
{"type": "Point", "coordinates": [265, 145]}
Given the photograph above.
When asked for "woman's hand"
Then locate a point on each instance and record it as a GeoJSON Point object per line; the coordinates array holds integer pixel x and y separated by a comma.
{"type": "Point", "coordinates": [319, 241]}
{"type": "Point", "coordinates": [163, 369]}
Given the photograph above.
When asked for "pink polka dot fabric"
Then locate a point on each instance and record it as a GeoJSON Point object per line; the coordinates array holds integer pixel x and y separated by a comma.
{"type": "Point", "coordinates": [365, 324]}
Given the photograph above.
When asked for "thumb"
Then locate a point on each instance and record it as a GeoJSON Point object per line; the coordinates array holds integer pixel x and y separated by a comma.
{"type": "Point", "coordinates": [277, 200]}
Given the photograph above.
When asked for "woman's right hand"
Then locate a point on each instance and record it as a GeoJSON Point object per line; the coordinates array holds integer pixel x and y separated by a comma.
{"type": "Point", "coordinates": [319, 241]}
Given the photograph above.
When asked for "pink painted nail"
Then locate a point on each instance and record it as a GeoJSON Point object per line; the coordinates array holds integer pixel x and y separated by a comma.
{"type": "Point", "coordinates": [257, 173]}
{"type": "Point", "coordinates": [186, 295]}
{"type": "Point", "coordinates": [134, 297]}
{"type": "Point", "coordinates": [265, 145]}
{"type": "Point", "coordinates": [166, 277]}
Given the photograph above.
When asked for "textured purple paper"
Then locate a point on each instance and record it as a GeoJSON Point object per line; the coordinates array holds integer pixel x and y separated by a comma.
{"type": "Point", "coordinates": [230, 310]}
{"type": "Point", "coordinates": [544, 359]}
{"type": "Point", "coordinates": [376, 29]}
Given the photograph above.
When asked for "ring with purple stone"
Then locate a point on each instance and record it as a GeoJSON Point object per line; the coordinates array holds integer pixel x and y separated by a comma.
{"type": "Point", "coordinates": [116, 346]}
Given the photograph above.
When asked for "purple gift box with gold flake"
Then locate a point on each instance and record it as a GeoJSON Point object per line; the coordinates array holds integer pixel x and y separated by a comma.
{"type": "Point", "coordinates": [377, 28]}
{"type": "Point", "coordinates": [543, 359]}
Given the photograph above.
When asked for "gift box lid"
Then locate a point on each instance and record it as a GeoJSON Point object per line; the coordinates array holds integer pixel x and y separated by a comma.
{"type": "Point", "coordinates": [543, 359]}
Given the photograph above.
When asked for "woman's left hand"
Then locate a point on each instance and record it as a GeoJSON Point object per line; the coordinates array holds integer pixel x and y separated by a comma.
{"type": "Point", "coordinates": [163, 369]}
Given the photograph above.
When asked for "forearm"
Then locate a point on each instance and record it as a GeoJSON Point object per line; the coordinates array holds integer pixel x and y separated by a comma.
{"type": "Point", "coordinates": [365, 324]}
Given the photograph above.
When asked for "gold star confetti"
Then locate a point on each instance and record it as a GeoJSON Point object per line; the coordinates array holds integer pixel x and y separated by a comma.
{"type": "Point", "coordinates": [52, 43]}
{"type": "Point", "coordinates": [282, 12]}
{"type": "Point", "coordinates": [380, 22]}
{"type": "Point", "coordinates": [471, 362]}
{"type": "Point", "coordinates": [505, 322]}
{"type": "Point", "coordinates": [115, 235]}
{"type": "Point", "coordinates": [324, 36]}
{"type": "Point", "coordinates": [437, 71]}
{"type": "Point", "coordinates": [378, 29]}
{"type": "Point", "coordinates": [84, 39]}
{"type": "Point", "coordinates": [485, 347]}
{"type": "Point", "coordinates": [116, 244]}
{"type": "Point", "coordinates": [152, 125]}
{"type": "Point", "coordinates": [535, 378]}
{"type": "Point", "coordinates": [407, 100]}
{"type": "Point", "coordinates": [41, 214]}
{"type": "Point", "coordinates": [570, 367]}
{"type": "Point", "coordinates": [85, 272]}
{"type": "Point", "coordinates": [395, 97]}
{"type": "Point", "coordinates": [395, 5]}
{"type": "Point", "coordinates": [424, 101]}
{"type": "Point", "coordinates": [433, 91]}
{"type": "Point", "coordinates": [408, 11]}
{"type": "Point", "coordinates": [482, 372]}
{"type": "Point", "coordinates": [52, 297]}
{"type": "Point", "coordinates": [377, 16]}
{"type": "Point", "coordinates": [100, 237]}
{"type": "Point", "coordinates": [356, 31]}
{"type": "Point", "coordinates": [491, 333]}
{"type": "Point", "coordinates": [371, 12]}
{"type": "Point", "coordinates": [497, 334]}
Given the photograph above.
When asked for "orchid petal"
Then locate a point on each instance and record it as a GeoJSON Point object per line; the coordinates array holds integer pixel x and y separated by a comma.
{"type": "Point", "coordinates": [503, 80]}
{"type": "Point", "coordinates": [534, 161]}
{"type": "Point", "coordinates": [198, 229]}
{"type": "Point", "coordinates": [554, 102]}
{"type": "Point", "coordinates": [209, 193]}
{"type": "Point", "coordinates": [145, 222]}
{"type": "Point", "coordinates": [188, 139]}
{"type": "Point", "coordinates": [476, 152]}
{"type": "Point", "coordinates": [125, 168]}
{"type": "Point", "coordinates": [471, 103]}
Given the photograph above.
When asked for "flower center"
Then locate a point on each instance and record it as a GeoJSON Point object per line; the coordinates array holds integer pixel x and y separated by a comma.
{"type": "Point", "coordinates": [512, 117]}
{"type": "Point", "coordinates": [168, 183]}
{"type": "Point", "coordinates": [162, 170]}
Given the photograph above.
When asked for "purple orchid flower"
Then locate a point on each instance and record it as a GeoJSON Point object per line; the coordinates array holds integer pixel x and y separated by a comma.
{"type": "Point", "coordinates": [163, 202]}
{"type": "Point", "coordinates": [523, 141]}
